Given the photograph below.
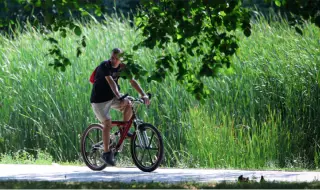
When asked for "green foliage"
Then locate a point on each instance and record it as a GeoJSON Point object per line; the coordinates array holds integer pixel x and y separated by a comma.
{"type": "Point", "coordinates": [300, 10]}
{"type": "Point", "coordinates": [191, 26]}
{"type": "Point", "coordinates": [24, 157]}
{"type": "Point", "coordinates": [50, 16]}
{"type": "Point", "coordinates": [278, 3]}
{"type": "Point", "coordinates": [132, 69]}
{"type": "Point", "coordinates": [263, 114]}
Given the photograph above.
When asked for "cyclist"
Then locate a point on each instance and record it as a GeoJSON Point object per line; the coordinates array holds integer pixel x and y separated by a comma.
{"type": "Point", "coordinates": [105, 95]}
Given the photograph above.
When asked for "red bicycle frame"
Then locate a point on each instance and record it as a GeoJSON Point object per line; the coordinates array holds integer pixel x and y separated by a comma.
{"type": "Point", "coordinates": [124, 127]}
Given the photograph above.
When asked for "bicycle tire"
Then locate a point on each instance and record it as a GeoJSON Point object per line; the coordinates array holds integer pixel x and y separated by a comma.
{"type": "Point", "coordinates": [83, 150]}
{"type": "Point", "coordinates": [160, 153]}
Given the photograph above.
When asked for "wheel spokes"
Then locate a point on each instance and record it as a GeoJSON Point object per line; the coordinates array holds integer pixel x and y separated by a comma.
{"type": "Point", "coordinates": [91, 140]}
{"type": "Point", "coordinates": [148, 148]}
{"type": "Point", "coordinates": [93, 148]}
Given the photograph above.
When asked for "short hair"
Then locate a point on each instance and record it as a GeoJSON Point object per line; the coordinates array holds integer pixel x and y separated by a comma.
{"type": "Point", "coordinates": [117, 51]}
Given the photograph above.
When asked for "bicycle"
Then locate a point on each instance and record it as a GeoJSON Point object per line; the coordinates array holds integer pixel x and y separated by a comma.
{"type": "Point", "coordinates": [142, 138]}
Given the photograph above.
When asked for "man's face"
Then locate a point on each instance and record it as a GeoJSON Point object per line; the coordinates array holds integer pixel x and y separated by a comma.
{"type": "Point", "coordinates": [115, 59]}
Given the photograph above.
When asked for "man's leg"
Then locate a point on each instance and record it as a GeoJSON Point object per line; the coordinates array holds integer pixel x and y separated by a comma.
{"type": "Point", "coordinates": [101, 111]}
{"type": "Point", "coordinates": [106, 134]}
{"type": "Point", "coordinates": [127, 110]}
{"type": "Point", "coordinates": [107, 156]}
{"type": "Point", "coordinates": [127, 114]}
{"type": "Point", "coordinates": [125, 107]}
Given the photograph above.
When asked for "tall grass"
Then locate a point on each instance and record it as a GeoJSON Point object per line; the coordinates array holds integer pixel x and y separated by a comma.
{"type": "Point", "coordinates": [265, 113]}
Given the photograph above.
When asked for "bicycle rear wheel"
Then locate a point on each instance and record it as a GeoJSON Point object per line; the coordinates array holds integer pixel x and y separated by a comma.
{"type": "Point", "coordinates": [147, 148]}
{"type": "Point", "coordinates": [92, 147]}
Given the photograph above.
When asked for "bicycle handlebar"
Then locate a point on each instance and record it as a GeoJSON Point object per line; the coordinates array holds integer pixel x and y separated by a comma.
{"type": "Point", "coordinates": [134, 99]}
{"type": "Point", "coordinates": [123, 97]}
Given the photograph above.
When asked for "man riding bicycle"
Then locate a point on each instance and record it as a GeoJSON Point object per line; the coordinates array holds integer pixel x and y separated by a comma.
{"type": "Point", "coordinates": [105, 95]}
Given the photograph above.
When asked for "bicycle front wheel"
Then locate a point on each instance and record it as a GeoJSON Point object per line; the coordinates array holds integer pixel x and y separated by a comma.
{"type": "Point", "coordinates": [147, 148]}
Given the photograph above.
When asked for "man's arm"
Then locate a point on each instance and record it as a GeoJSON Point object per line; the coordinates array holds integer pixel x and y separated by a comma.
{"type": "Point", "coordinates": [113, 86]}
{"type": "Point", "coordinates": [136, 86]}
{"type": "Point", "coordinates": [143, 95]}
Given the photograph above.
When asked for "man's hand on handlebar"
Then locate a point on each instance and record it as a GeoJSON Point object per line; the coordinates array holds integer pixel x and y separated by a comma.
{"type": "Point", "coordinates": [123, 97]}
{"type": "Point", "coordinates": [146, 100]}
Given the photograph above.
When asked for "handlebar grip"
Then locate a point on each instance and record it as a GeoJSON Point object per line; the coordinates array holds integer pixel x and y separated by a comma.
{"type": "Point", "coordinates": [123, 97]}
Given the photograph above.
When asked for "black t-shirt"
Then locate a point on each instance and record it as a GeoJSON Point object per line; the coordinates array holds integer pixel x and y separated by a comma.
{"type": "Point", "coordinates": [101, 91]}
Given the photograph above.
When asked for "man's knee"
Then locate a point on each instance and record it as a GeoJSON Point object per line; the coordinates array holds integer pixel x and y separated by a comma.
{"type": "Point", "coordinates": [127, 108]}
{"type": "Point", "coordinates": [127, 102]}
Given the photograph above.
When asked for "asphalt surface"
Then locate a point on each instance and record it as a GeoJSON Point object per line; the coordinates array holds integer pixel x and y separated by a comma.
{"type": "Point", "coordinates": [57, 172]}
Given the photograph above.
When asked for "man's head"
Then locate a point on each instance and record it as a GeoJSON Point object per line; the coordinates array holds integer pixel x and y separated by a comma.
{"type": "Point", "coordinates": [115, 57]}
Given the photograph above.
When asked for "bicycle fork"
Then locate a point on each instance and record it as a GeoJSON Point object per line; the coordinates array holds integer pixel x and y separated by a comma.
{"type": "Point", "coordinates": [143, 139]}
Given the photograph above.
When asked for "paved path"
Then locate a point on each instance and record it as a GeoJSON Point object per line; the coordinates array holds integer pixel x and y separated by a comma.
{"type": "Point", "coordinates": [74, 173]}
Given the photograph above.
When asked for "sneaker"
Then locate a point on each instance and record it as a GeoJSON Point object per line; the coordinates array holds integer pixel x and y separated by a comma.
{"type": "Point", "coordinates": [108, 158]}
{"type": "Point", "coordinates": [129, 134]}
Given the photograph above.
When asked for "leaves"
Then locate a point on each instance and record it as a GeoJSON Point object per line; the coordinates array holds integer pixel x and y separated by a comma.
{"type": "Point", "coordinates": [60, 61]}
{"type": "Point", "coordinates": [298, 30]}
{"type": "Point", "coordinates": [77, 30]}
{"type": "Point", "coordinates": [317, 21]}
{"type": "Point", "coordinates": [201, 27]}
{"type": "Point", "coordinates": [52, 40]}
{"type": "Point", "coordinates": [63, 32]}
{"type": "Point", "coordinates": [83, 43]}
{"type": "Point", "coordinates": [278, 3]}
{"type": "Point", "coordinates": [196, 28]}
{"type": "Point", "coordinates": [55, 17]}
{"type": "Point", "coordinates": [79, 52]}
{"type": "Point", "coordinates": [132, 69]}
{"type": "Point", "coordinates": [247, 32]}
{"type": "Point", "coordinates": [300, 10]}
{"type": "Point", "coordinates": [66, 61]}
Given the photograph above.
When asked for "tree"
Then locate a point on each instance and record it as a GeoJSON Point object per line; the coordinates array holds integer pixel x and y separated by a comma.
{"type": "Point", "coordinates": [199, 27]}
{"type": "Point", "coordinates": [205, 28]}
{"type": "Point", "coordinates": [50, 16]}
{"type": "Point", "coordinates": [300, 10]}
